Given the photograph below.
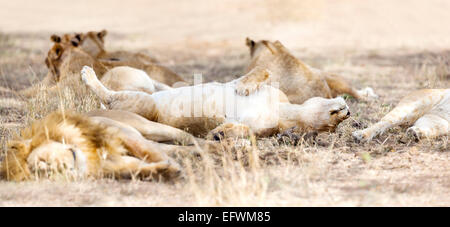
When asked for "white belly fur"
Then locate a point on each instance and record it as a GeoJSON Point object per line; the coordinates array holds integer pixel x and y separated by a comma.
{"type": "Point", "coordinates": [442, 109]}
{"type": "Point", "coordinates": [219, 101]}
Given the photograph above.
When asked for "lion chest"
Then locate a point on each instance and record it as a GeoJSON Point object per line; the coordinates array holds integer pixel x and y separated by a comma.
{"type": "Point", "coordinates": [203, 107]}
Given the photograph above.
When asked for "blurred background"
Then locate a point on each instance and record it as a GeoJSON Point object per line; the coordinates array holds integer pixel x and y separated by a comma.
{"type": "Point", "coordinates": [371, 24]}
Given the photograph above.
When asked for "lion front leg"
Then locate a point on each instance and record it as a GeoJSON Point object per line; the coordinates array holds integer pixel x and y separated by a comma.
{"type": "Point", "coordinates": [429, 126]}
{"type": "Point", "coordinates": [137, 102]}
{"type": "Point", "coordinates": [128, 166]}
{"type": "Point", "coordinates": [252, 81]}
{"type": "Point", "coordinates": [408, 111]}
{"type": "Point", "coordinates": [149, 129]}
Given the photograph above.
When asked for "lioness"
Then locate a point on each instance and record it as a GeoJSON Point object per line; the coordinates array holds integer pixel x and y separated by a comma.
{"type": "Point", "coordinates": [296, 79]}
{"type": "Point", "coordinates": [215, 108]}
{"type": "Point", "coordinates": [65, 60]}
{"type": "Point", "coordinates": [101, 143]}
{"type": "Point", "coordinates": [92, 43]}
{"type": "Point", "coordinates": [428, 110]}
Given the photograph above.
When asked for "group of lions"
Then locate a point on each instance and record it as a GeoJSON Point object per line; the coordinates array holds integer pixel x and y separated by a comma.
{"type": "Point", "coordinates": [148, 106]}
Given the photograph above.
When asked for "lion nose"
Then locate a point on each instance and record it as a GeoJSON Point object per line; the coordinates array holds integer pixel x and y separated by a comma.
{"type": "Point", "coordinates": [348, 113]}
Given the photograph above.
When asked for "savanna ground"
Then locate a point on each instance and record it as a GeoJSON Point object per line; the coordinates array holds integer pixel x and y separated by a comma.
{"type": "Point", "coordinates": [393, 46]}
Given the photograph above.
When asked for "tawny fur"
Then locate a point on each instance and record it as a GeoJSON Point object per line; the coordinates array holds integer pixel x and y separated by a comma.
{"type": "Point", "coordinates": [93, 43]}
{"type": "Point", "coordinates": [202, 108]}
{"type": "Point", "coordinates": [102, 143]}
{"type": "Point", "coordinates": [124, 78]}
{"type": "Point", "coordinates": [72, 51]}
{"type": "Point", "coordinates": [296, 79]}
{"type": "Point", "coordinates": [428, 111]}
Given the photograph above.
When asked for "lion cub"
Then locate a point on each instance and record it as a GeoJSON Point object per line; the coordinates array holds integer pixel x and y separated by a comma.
{"type": "Point", "coordinates": [296, 79]}
{"type": "Point", "coordinates": [427, 110]}
{"type": "Point", "coordinates": [215, 108]}
{"type": "Point", "coordinates": [101, 143]}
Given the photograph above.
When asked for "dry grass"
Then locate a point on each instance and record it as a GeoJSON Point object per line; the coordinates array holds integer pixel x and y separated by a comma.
{"type": "Point", "coordinates": [331, 171]}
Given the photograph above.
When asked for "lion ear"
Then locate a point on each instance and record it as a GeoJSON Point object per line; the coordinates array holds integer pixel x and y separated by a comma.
{"type": "Point", "coordinates": [55, 38]}
{"type": "Point", "coordinates": [19, 146]}
{"type": "Point", "coordinates": [57, 51]}
{"type": "Point", "coordinates": [278, 44]}
{"type": "Point", "coordinates": [102, 34]}
{"type": "Point", "coordinates": [249, 42]}
{"type": "Point", "coordinates": [78, 36]}
{"type": "Point", "coordinates": [265, 73]}
{"type": "Point", "coordinates": [75, 41]}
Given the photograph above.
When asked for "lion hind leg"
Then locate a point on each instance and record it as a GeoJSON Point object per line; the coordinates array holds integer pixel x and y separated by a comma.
{"type": "Point", "coordinates": [429, 126]}
{"type": "Point", "coordinates": [368, 93]}
{"type": "Point", "coordinates": [339, 86]}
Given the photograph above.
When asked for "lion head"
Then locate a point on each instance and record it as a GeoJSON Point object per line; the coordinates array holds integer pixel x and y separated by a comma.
{"type": "Point", "coordinates": [326, 114]}
{"type": "Point", "coordinates": [53, 157]}
{"type": "Point", "coordinates": [317, 114]}
{"type": "Point", "coordinates": [66, 57]}
{"type": "Point", "coordinates": [92, 42]}
{"type": "Point", "coordinates": [258, 47]}
{"type": "Point", "coordinates": [55, 58]}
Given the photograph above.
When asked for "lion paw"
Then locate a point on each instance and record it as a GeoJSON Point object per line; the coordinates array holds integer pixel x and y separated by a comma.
{"type": "Point", "coordinates": [229, 130]}
{"type": "Point", "coordinates": [359, 136]}
{"type": "Point", "coordinates": [87, 74]}
{"type": "Point", "coordinates": [368, 93]}
{"type": "Point", "coordinates": [245, 89]}
{"type": "Point", "coordinates": [170, 170]}
{"type": "Point", "coordinates": [414, 133]}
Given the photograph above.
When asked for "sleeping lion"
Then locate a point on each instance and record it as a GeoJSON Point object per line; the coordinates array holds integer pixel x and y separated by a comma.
{"type": "Point", "coordinates": [428, 111]}
{"type": "Point", "coordinates": [101, 143]}
{"type": "Point", "coordinates": [296, 79]}
{"type": "Point", "coordinates": [215, 110]}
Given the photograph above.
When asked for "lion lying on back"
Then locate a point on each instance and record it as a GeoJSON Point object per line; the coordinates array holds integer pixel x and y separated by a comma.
{"type": "Point", "coordinates": [216, 110]}
{"type": "Point", "coordinates": [427, 110]}
{"type": "Point", "coordinates": [101, 143]}
{"type": "Point", "coordinates": [296, 79]}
